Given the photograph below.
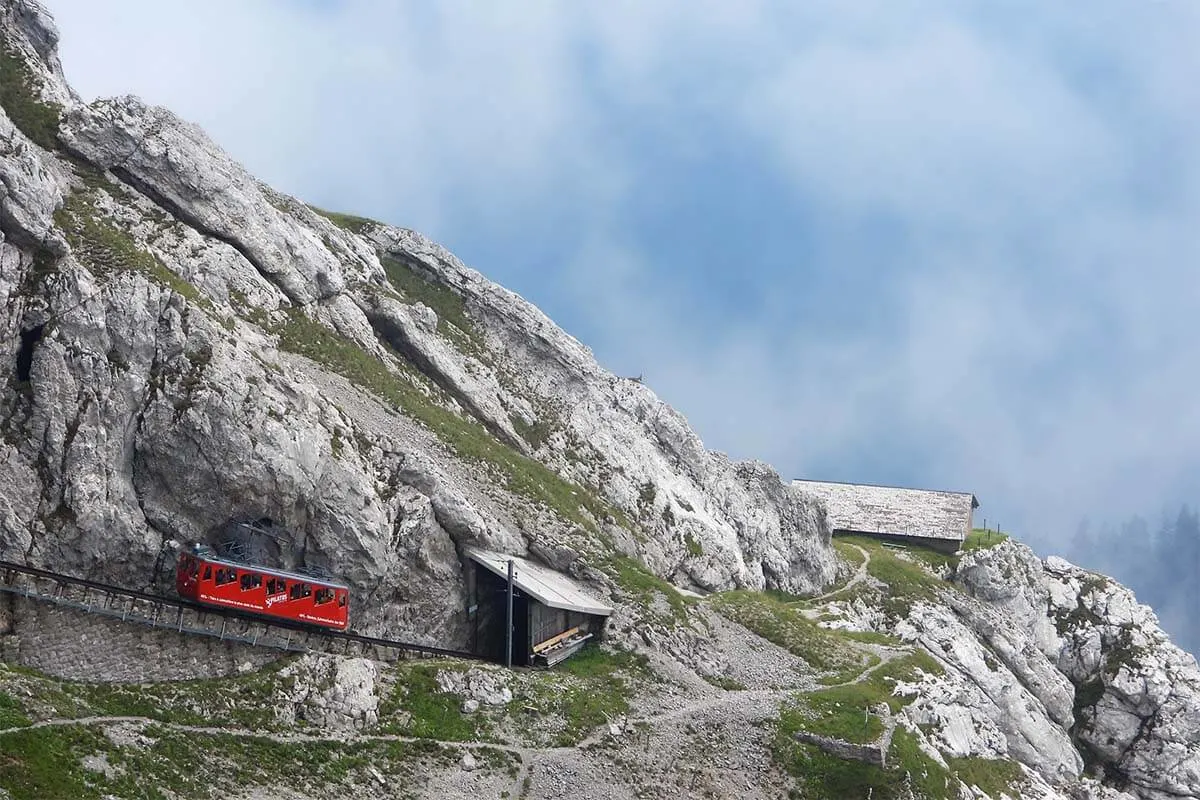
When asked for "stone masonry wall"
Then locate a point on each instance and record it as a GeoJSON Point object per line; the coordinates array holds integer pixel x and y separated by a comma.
{"type": "Point", "coordinates": [72, 644]}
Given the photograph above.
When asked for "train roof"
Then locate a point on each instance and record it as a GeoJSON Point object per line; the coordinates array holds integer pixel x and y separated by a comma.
{"type": "Point", "coordinates": [208, 556]}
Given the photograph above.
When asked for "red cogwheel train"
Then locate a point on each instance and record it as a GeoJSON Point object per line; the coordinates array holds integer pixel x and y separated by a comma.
{"type": "Point", "coordinates": [205, 578]}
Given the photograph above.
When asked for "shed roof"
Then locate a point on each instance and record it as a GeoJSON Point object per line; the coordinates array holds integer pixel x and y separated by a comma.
{"type": "Point", "coordinates": [863, 508]}
{"type": "Point", "coordinates": [548, 587]}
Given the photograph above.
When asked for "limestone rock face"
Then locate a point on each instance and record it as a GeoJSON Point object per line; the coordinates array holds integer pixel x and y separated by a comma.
{"type": "Point", "coordinates": [185, 346]}
{"type": "Point", "coordinates": [338, 693]}
{"type": "Point", "coordinates": [982, 707]}
{"type": "Point", "coordinates": [1136, 707]}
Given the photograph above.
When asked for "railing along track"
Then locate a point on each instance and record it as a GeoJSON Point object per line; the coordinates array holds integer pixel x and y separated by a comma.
{"type": "Point", "coordinates": [191, 618]}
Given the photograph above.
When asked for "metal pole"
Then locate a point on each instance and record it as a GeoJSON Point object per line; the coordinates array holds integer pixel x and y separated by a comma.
{"type": "Point", "coordinates": [509, 628]}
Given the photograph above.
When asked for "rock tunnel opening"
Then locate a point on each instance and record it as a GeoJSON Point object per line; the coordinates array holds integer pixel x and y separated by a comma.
{"type": "Point", "coordinates": [29, 339]}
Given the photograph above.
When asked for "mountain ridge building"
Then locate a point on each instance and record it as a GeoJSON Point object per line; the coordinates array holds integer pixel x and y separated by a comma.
{"type": "Point", "coordinates": [937, 519]}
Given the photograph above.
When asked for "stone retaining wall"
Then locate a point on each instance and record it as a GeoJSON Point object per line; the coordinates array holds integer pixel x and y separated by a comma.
{"type": "Point", "coordinates": [873, 753]}
{"type": "Point", "coordinates": [72, 644]}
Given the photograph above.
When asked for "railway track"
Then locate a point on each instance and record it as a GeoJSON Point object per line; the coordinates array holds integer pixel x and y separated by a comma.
{"type": "Point", "coordinates": [187, 617]}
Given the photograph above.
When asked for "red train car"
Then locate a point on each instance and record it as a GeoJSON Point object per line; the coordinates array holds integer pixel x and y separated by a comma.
{"type": "Point", "coordinates": [203, 577]}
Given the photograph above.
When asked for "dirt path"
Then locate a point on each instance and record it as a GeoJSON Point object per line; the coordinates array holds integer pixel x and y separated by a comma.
{"type": "Point", "coordinates": [858, 577]}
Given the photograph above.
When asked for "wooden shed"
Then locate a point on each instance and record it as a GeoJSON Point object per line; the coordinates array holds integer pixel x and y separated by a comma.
{"type": "Point", "coordinates": [553, 616]}
{"type": "Point", "coordinates": [936, 519]}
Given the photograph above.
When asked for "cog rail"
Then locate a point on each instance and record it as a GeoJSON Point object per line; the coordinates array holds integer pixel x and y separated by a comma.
{"type": "Point", "coordinates": [188, 617]}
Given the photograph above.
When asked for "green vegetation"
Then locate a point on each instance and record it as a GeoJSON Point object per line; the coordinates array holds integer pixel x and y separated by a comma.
{"type": "Point", "coordinates": [847, 711]}
{"type": "Point", "coordinates": [992, 776]}
{"type": "Point", "coordinates": [586, 691]}
{"type": "Point", "coordinates": [980, 539]}
{"type": "Point", "coordinates": [910, 773]}
{"type": "Point", "coordinates": [446, 303]}
{"type": "Point", "coordinates": [33, 116]}
{"type": "Point", "coordinates": [908, 580]}
{"type": "Point", "coordinates": [470, 440]}
{"type": "Point", "coordinates": [536, 434]}
{"type": "Point", "coordinates": [106, 249]}
{"type": "Point", "coordinates": [694, 548]}
{"type": "Point", "coordinates": [244, 701]}
{"type": "Point", "coordinates": [642, 585]}
{"type": "Point", "coordinates": [429, 712]}
{"type": "Point", "coordinates": [349, 222]}
{"type": "Point", "coordinates": [849, 552]}
{"type": "Point", "coordinates": [12, 714]}
{"type": "Point", "coordinates": [558, 707]}
{"type": "Point", "coordinates": [725, 682]}
{"type": "Point", "coordinates": [46, 764]}
{"type": "Point", "coordinates": [781, 623]}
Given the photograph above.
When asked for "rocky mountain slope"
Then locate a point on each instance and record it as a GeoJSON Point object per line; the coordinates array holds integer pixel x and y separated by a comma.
{"type": "Point", "coordinates": [184, 346]}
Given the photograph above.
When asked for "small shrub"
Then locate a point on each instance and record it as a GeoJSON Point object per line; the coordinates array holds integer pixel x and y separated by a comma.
{"type": "Point", "coordinates": [33, 116]}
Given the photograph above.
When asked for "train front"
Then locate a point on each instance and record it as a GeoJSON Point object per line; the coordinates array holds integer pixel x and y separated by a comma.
{"type": "Point", "coordinates": [187, 571]}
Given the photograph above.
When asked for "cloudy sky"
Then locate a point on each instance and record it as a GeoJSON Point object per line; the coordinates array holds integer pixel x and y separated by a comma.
{"type": "Point", "coordinates": [937, 244]}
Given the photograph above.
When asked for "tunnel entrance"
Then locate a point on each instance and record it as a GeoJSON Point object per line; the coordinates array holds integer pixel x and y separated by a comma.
{"type": "Point", "coordinates": [29, 339]}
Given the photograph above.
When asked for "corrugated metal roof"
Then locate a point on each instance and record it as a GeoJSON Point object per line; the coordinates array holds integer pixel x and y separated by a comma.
{"type": "Point", "coordinates": [548, 587]}
{"type": "Point", "coordinates": [863, 508]}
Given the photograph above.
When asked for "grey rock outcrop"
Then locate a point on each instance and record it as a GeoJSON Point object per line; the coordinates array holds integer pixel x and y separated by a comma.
{"type": "Point", "coordinates": [185, 346]}
{"type": "Point", "coordinates": [1136, 709]}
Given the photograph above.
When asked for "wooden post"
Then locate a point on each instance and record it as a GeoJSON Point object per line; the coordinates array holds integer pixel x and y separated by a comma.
{"type": "Point", "coordinates": [508, 631]}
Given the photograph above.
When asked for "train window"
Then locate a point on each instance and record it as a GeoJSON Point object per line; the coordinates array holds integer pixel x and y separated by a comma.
{"type": "Point", "coordinates": [323, 596]}
{"type": "Point", "coordinates": [300, 590]}
{"type": "Point", "coordinates": [207, 572]}
{"type": "Point", "coordinates": [250, 581]}
{"type": "Point", "coordinates": [194, 568]}
{"type": "Point", "coordinates": [276, 586]}
{"type": "Point", "coordinates": [226, 575]}
{"type": "Point", "coordinates": [341, 599]}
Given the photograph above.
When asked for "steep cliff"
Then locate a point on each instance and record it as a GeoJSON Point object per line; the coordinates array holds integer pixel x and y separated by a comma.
{"type": "Point", "coordinates": [184, 346]}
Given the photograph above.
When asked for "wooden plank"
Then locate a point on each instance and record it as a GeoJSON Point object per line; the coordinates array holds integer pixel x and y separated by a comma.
{"type": "Point", "coordinates": [553, 640]}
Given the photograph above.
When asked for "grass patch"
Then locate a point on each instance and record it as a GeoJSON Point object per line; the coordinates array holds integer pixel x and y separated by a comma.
{"type": "Point", "coordinates": [907, 581]}
{"type": "Point", "coordinates": [107, 249]}
{"type": "Point", "coordinates": [980, 539]}
{"type": "Point", "coordinates": [45, 764]}
{"type": "Point", "coordinates": [12, 713]}
{"type": "Point", "coordinates": [847, 711]}
{"type": "Point", "coordinates": [429, 713]}
{"type": "Point", "coordinates": [349, 222]}
{"type": "Point", "coordinates": [244, 701]}
{"type": "Point", "coordinates": [871, 637]}
{"type": "Point", "coordinates": [851, 554]}
{"type": "Point", "coordinates": [643, 585]}
{"type": "Point", "coordinates": [33, 116]}
{"type": "Point", "coordinates": [910, 773]}
{"type": "Point", "coordinates": [453, 322]}
{"type": "Point", "coordinates": [516, 472]}
{"type": "Point", "coordinates": [993, 777]}
{"type": "Point", "coordinates": [780, 623]}
{"type": "Point", "coordinates": [586, 691]}
{"type": "Point", "coordinates": [725, 682]}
